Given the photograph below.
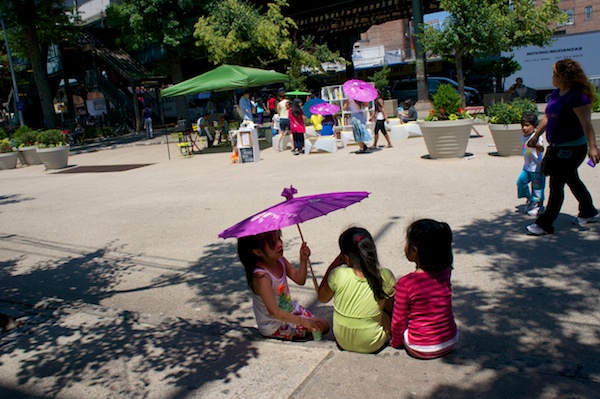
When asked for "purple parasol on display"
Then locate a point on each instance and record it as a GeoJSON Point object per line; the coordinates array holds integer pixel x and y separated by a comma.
{"type": "Point", "coordinates": [360, 90]}
{"type": "Point", "coordinates": [293, 211]}
{"type": "Point", "coordinates": [324, 109]}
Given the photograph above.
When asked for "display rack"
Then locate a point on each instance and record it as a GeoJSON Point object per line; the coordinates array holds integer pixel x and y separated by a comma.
{"type": "Point", "coordinates": [335, 95]}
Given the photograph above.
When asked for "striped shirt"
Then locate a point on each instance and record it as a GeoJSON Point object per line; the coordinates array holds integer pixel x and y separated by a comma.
{"type": "Point", "coordinates": [423, 306]}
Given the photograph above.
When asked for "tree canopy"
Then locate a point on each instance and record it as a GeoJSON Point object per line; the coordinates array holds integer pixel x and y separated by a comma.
{"type": "Point", "coordinates": [32, 26]}
{"type": "Point", "coordinates": [237, 32]}
{"type": "Point", "coordinates": [475, 28]}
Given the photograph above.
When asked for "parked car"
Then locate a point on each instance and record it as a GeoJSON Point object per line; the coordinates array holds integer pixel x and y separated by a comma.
{"type": "Point", "coordinates": [405, 89]}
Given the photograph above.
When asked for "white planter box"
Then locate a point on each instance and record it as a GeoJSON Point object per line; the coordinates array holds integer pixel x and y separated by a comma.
{"type": "Point", "coordinates": [507, 139]}
{"type": "Point", "coordinates": [8, 160]}
{"type": "Point", "coordinates": [54, 158]}
{"type": "Point", "coordinates": [446, 139]}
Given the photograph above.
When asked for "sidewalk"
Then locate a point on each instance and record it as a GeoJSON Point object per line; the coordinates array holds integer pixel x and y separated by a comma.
{"type": "Point", "coordinates": [125, 291]}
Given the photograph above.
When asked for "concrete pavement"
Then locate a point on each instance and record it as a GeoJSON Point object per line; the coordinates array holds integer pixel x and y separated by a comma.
{"type": "Point", "coordinates": [124, 290]}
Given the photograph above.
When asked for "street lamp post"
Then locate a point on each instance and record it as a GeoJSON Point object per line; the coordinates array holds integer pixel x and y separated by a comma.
{"type": "Point", "coordinates": [12, 74]}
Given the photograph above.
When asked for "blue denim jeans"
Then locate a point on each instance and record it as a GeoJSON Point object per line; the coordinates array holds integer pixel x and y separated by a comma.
{"type": "Point", "coordinates": [538, 182]}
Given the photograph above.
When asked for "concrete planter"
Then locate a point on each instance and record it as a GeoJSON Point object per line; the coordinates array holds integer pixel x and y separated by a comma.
{"type": "Point", "coordinates": [446, 139]}
{"type": "Point", "coordinates": [54, 158]}
{"type": "Point", "coordinates": [28, 155]}
{"type": "Point", "coordinates": [8, 160]}
{"type": "Point", "coordinates": [507, 139]}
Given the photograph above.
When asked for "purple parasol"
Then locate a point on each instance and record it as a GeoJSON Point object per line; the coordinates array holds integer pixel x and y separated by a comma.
{"type": "Point", "coordinates": [294, 211]}
{"type": "Point", "coordinates": [360, 90]}
{"type": "Point", "coordinates": [324, 109]}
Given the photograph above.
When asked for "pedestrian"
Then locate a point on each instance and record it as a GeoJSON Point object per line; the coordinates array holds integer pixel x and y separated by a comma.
{"type": "Point", "coordinates": [519, 90]}
{"type": "Point", "coordinates": [531, 172]}
{"type": "Point", "coordinates": [267, 271]}
{"type": "Point", "coordinates": [381, 118]}
{"type": "Point", "coordinates": [260, 110]}
{"type": "Point", "coordinates": [147, 118]}
{"type": "Point", "coordinates": [570, 135]}
{"type": "Point", "coordinates": [422, 319]}
{"type": "Point", "coordinates": [246, 106]}
{"type": "Point", "coordinates": [275, 132]}
{"type": "Point", "coordinates": [362, 292]}
{"type": "Point", "coordinates": [271, 105]}
{"type": "Point", "coordinates": [358, 120]}
{"type": "Point", "coordinates": [297, 126]}
{"type": "Point", "coordinates": [283, 110]}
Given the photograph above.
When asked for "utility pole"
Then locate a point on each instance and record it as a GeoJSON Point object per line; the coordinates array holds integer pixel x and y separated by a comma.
{"type": "Point", "coordinates": [12, 74]}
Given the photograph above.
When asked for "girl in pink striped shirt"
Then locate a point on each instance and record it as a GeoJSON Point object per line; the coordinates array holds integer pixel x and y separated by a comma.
{"type": "Point", "coordinates": [422, 321]}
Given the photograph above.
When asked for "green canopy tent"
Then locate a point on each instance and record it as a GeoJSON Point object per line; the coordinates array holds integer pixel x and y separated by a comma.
{"type": "Point", "coordinates": [297, 93]}
{"type": "Point", "coordinates": [225, 77]}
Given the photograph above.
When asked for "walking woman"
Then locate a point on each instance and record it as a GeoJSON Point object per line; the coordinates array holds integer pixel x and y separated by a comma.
{"type": "Point", "coordinates": [570, 137]}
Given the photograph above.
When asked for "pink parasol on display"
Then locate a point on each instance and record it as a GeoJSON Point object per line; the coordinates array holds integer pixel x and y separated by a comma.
{"type": "Point", "coordinates": [293, 211]}
{"type": "Point", "coordinates": [324, 109]}
{"type": "Point", "coordinates": [360, 90]}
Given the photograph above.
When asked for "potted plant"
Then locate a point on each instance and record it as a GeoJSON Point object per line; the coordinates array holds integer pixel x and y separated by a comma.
{"type": "Point", "coordinates": [25, 140]}
{"type": "Point", "coordinates": [52, 148]}
{"type": "Point", "coordinates": [447, 128]}
{"type": "Point", "coordinates": [8, 157]}
{"type": "Point", "coordinates": [505, 124]}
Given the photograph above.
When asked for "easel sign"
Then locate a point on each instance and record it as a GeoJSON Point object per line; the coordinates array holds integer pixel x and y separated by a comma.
{"type": "Point", "coordinates": [246, 155]}
{"type": "Point", "coordinates": [244, 139]}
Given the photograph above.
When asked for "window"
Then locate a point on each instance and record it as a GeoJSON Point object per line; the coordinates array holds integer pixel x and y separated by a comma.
{"type": "Point", "coordinates": [571, 15]}
{"type": "Point", "coordinates": [588, 13]}
{"type": "Point", "coordinates": [570, 18]}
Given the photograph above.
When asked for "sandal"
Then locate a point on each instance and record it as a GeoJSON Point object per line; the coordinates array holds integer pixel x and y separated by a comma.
{"type": "Point", "coordinates": [389, 146]}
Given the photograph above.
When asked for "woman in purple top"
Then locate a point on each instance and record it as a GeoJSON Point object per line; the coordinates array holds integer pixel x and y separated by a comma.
{"type": "Point", "coordinates": [570, 136]}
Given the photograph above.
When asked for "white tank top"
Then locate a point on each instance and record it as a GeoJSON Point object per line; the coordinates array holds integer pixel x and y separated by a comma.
{"type": "Point", "coordinates": [267, 325]}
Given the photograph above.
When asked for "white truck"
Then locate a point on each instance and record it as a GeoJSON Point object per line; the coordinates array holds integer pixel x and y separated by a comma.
{"type": "Point", "coordinates": [536, 62]}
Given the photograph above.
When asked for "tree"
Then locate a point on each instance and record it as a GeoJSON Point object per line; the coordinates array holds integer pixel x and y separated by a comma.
{"type": "Point", "coordinates": [475, 28]}
{"type": "Point", "coordinates": [33, 25]}
{"type": "Point", "coordinates": [380, 80]}
{"type": "Point", "coordinates": [166, 23]}
{"type": "Point", "coordinates": [236, 32]}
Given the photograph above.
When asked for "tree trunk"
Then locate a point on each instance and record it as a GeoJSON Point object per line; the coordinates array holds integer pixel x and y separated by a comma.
{"type": "Point", "coordinates": [40, 74]}
{"type": "Point", "coordinates": [460, 79]}
{"type": "Point", "coordinates": [177, 75]}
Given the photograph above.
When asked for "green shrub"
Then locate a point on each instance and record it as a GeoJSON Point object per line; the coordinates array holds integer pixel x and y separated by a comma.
{"type": "Point", "coordinates": [24, 136]}
{"type": "Point", "coordinates": [596, 102]}
{"type": "Point", "coordinates": [50, 138]}
{"type": "Point", "coordinates": [3, 134]}
{"type": "Point", "coordinates": [504, 113]}
{"type": "Point", "coordinates": [446, 105]}
{"type": "Point", "coordinates": [5, 145]}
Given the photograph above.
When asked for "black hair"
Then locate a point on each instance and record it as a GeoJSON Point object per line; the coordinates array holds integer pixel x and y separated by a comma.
{"type": "Point", "coordinates": [529, 117]}
{"type": "Point", "coordinates": [408, 103]}
{"type": "Point", "coordinates": [433, 242]}
{"type": "Point", "coordinates": [358, 245]}
{"type": "Point", "coordinates": [246, 247]}
{"type": "Point", "coordinates": [296, 108]}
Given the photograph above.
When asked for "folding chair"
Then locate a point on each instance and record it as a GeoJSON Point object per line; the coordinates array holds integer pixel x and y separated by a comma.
{"type": "Point", "coordinates": [185, 146]}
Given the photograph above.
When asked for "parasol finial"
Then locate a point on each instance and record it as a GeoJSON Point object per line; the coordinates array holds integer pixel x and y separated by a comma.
{"type": "Point", "coordinates": [288, 193]}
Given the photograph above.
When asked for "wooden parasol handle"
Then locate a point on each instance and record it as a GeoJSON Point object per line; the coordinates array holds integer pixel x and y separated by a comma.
{"type": "Point", "coordinates": [312, 273]}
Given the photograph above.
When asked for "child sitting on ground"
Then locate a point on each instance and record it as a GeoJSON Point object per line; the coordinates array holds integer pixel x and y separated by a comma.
{"type": "Point", "coordinates": [422, 320]}
{"type": "Point", "coordinates": [267, 271]}
{"type": "Point", "coordinates": [362, 293]}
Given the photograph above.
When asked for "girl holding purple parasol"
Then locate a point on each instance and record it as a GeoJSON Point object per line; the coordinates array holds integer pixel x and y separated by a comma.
{"type": "Point", "coordinates": [267, 271]}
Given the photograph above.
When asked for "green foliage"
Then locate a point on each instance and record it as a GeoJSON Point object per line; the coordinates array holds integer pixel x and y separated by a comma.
{"type": "Point", "coordinates": [50, 138]}
{"type": "Point", "coordinates": [24, 136]}
{"type": "Point", "coordinates": [380, 79]}
{"type": "Point", "coordinates": [5, 145]}
{"type": "Point", "coordinates": [505, 113]}
{"type": "Point", "coordinates": [596, 101]}
{"type": "Point", "coordinates": [236, 32]}
{"type": "Point", "coordinates": [3, 134]}
{"type": "Point", "coordinates": [505, 67]}
{"type": "Point", "coordinates": [446, 105]}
